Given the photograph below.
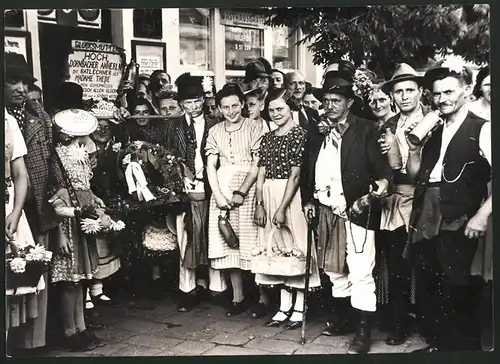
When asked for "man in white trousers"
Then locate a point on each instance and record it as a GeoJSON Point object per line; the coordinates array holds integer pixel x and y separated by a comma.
{"type": "Point", "coordinates": [187, 137]}
{"type": "Point", "coordinates": [345, 164]}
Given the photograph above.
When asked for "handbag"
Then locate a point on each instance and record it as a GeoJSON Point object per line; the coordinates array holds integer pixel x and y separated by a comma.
{"type": "Point", "coordinates": [270, 264]}
{"type": "Point", "coordinates": [227, 231]}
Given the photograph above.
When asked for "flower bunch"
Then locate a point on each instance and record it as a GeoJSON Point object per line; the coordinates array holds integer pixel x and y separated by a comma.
{"type": "Point", "coordinates": [102, 223]}
{"type": "Point", "coordinates": [158, 239]}
{"type": "Point", "coordinates": [38, 254]}
{"type": "Point", "coordinates": [454, 64]}
{"type": "Point", "coordinates": [18, 265]}
{"type": "Point", "coordinates": [362, 84]}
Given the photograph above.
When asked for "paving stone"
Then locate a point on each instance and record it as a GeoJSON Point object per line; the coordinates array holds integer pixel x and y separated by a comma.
{"type": "Point", "coordinates": [223, 350]}
{"type": "Point", "coordinates": [109, 350]}
{"type": "Point", "coordinates": [190, 348]}
{"type": "Point", "coordinates": [153, 341]}
{"type": "Point", "coordinates": [273, 346]}
{"type": "Point", "coordinates": [229, 326]}
{"type": "Point", "coordinates": [141, 326]}
{"type": "Point", "coordinates": [313, 349]}
{"type": "Point", "coordinates": [115, 334]}
{"type": "Point", "coordinates": [262, 331]}
{"type": "Point", "coordinates": [237, 339]}
{"type": "Point", "coordinates": [333, 341]}
{"type": "Point", "coordinates": [379, 347]}
{"type": "Point", "coordinates": [313, 330]}
{"type": "Point", "coordinates": [132, 350]}
{"type": "Point", "coordinates": [190, 332]}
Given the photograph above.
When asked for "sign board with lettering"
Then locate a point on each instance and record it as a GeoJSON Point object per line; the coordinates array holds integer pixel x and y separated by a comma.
{"type": "Point", "coordinates": [150, 56]}
{"type": "Point", "coordinates": [97, 67]}
{"type": "Point", "coordinates": [241, 19]}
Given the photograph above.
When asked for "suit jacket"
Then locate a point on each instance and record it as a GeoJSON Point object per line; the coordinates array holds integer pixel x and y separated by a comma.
{"type": "Point", "coordinates": [311, 120]}
{"type": "Point", "coordinates": [43, 169]}
{"type": "Point", "coordinates": [361, 163]}
{"type": "Point", "coordinates": [179, 141]}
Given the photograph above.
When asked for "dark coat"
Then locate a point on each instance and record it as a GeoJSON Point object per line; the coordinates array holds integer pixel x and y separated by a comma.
{"type": "Point", "coordinates": [182, 144]}
{"type": "Point", "coordinates": [361, 163]}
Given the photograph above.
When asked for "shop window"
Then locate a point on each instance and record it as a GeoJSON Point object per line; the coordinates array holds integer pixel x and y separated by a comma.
{"type": "Point", "coordinates": [243, 45]}
{"type": "Point", "coordinates": [194, 24]}
{"type": "Point", "coordinates": [235, 79]}
{"type": "Point", "coordinates": [283, 48]}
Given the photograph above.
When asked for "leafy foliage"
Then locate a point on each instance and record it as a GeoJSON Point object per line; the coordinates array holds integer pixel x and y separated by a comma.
{"type": "Point", "coordinates": [387, 35]}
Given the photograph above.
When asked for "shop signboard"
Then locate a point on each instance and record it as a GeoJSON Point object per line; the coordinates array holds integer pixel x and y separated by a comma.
{"type": "Point", "coordinates": [97, 67]}
{"type": "Point", "coordinates": [242, 19]}
{"type": "Point", "coordinates": [16, 41]}
{"type": "Point", "coordinates": [88, 18]}
{"type": "Point", "coordinates": [150, 56]}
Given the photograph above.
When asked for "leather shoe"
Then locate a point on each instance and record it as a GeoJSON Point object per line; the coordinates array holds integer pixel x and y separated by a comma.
{"type": "Point", "coordinates": [293, 325]}
{"type": "Point", "coordinates": [342, 328]}
{"type": "Point", "coordinates": [397, 337]}
{"type": "Point", "coordinates": [258, 311]}
{"type": "Point", "coordinates": [187, 303]}
{"type": "Point", "coordinates": [94, 326]}
{"type": "Point", "coordinates": [277, 323]}
{"type": "Point", "coordinates": [236, 309]}
{"type": "Point", "coordinates": [427, 349]}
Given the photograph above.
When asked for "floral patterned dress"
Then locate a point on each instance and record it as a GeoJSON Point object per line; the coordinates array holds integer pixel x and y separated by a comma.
{"type": "Point", "coordinates": [84, 260]}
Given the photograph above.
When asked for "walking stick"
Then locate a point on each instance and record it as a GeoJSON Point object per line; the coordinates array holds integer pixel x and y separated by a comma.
{"type": "Point", "coordinates": [308, 268]}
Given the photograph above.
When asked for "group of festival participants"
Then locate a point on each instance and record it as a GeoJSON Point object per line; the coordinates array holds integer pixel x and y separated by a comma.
{"type": "Point", "coordinates": [278, 158]}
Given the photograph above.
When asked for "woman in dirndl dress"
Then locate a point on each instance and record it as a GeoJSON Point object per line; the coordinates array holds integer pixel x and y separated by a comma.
{"type": "Point", "coordinates": [279, 206]}
{"type": "Point", "coordinates": [76, 260]}
{"type": "Point", "coordinates": [234, 144]}
{"type": "Point", "coordinates": [21, 305]}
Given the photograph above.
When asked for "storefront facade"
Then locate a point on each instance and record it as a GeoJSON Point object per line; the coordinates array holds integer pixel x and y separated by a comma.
{"type": "Point", "coordinates": [213, 42]}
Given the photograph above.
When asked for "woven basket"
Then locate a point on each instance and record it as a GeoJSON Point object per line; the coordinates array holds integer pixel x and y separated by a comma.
{"type": "Point", "coordinates": [271, 264]}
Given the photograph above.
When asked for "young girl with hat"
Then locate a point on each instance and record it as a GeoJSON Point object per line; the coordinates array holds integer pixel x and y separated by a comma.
{"type": "Point", "coordinates": [76, 260]}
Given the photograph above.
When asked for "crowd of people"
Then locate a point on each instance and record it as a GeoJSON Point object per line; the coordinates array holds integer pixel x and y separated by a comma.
{"type": "Point", "coordinates": [398, 222]}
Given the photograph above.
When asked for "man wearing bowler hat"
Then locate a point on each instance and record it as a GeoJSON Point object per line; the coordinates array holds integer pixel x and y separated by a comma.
{"type": "Point", "coordinates": [345, 164]}
{"type": "Point", "coordinates": [45, 179]}
{"type": "Point", "coordinates": [450, 210]}
{"type": "Point", "coordinates": [187, 136]}
{"type": "Point", "coordinates": [406, 89]}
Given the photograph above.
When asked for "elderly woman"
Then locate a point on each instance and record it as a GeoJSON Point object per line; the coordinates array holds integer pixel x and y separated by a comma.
{"type": "Point", "coordinates": [233, 144]}
{"type": "Point", "coordinates": [278, 205]}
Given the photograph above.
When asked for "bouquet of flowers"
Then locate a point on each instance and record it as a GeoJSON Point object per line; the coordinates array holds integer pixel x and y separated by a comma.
{"type": "Point", "coordinates": [99, 221]}
{"type": "Point", "coordinates": [25, 266]}
{"type": "Point", "coordinates": [103, 108]}
{"type": "Point", "coordinates": [152, 173]}
{"type": "Point", "coordinates": [157, 239]}
{"type": "Point", "coordinates": [362, 85]}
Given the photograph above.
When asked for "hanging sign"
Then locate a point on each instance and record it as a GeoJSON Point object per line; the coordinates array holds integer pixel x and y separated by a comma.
{"type": "Point", "coordinates": [97, 67]}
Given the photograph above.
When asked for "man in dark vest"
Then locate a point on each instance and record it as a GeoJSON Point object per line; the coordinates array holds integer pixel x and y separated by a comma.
{"type": "Point", "coordinates": [187, 136]}
{"type": "Point", "coordinates": [450, 210]}
{"type": "Point", "coordinates": [345, 162]}
{"type": "Point", "coordinates": [406, 89]}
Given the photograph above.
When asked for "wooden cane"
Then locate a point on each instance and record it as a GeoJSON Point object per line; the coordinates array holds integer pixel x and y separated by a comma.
{"type": "Point", "coordinates": [308, 268]}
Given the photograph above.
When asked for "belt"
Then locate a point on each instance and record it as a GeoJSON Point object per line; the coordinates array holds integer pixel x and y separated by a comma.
{"type": "Point", "coordinates": [435, 184]}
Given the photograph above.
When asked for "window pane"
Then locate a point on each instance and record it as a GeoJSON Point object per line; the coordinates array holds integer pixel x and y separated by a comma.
{"type": "Point", "coordinates": [236, 79]}
{"type": "Point", "coordinates": [282, 48]}
{"type": "Point", "coordinates": [243, 45]}
{"type": "Point", "coordinates": [194, 24]}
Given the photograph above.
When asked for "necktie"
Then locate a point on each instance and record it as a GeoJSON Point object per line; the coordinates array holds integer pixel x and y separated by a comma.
{"type": "Point", "coordinates": [192, 133]}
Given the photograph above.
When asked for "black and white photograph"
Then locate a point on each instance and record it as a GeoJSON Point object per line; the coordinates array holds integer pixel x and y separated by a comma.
{"type": "Point", "coordinates": [253, 181]}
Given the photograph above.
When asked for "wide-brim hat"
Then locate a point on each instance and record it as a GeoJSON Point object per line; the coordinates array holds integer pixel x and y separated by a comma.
{"type": "Point", "coordinates": [76, 122]}
{"type": "Point", "coordinates": [452, 65]}
{"type": "Point", "coordinates": [189, 87]}
{"type": "Point", "coordinates": [255, 70]}
{"type": "Point", "coordinates": [17, 68]}
{"type": "Point", "coordinates": [338, 84]}
{"type": "Point", "coordinates": [266, 64]}
{"type": "Point", "coordinates": [404, 72]}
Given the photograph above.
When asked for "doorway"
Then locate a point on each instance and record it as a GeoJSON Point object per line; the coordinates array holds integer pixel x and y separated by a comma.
{"type": "Point", "coordinates": [55, 45]}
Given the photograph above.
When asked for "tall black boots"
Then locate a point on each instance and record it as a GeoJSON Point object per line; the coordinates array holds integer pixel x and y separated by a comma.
{"type": "Point", "coordinates": [363, 338]}
{"type": "Point", "coordinates": [342, 322]}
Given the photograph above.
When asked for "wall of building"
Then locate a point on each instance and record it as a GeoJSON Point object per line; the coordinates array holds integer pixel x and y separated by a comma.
{"type": "Point", "coordinates": [122, 34]}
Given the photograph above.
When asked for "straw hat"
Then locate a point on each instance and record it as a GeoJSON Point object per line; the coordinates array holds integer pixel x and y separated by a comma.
{"type": "Point", "coordinates": [76, 122]}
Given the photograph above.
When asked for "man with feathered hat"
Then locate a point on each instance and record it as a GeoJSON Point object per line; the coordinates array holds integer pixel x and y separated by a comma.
{"type": "Point", "coordinates": [451, 168]}
{"type": "Point", "coordinates": [345, 163]}
{"type": "Point", "coordinates": [187, 136]}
